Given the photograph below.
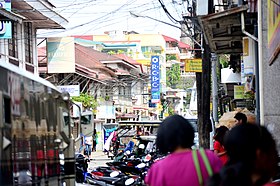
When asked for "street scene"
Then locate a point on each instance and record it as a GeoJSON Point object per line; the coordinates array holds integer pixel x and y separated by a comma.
{"type": "Point", "coordinates": [140, 92]}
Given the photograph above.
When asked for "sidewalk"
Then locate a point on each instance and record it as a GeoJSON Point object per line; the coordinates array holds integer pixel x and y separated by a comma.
{"type": "Point", "coordinates": [98, 159]}
{"type": "Point", "coordinates": [99, 155]}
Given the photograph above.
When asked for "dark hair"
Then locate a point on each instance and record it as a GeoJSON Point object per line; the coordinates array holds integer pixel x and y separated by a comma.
{"type": "Point", "coordinates": [240, 116]}
{"type": "Point", "coordinates": [220, 134]}
{"type": "Point", "coordinates": [175, 131]}
{"type": "Point", "coordinates": [242, 143]}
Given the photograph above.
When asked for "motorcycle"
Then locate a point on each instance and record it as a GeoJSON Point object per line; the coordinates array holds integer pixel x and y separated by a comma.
{"type": "Point", "coordinates": [81, 167]}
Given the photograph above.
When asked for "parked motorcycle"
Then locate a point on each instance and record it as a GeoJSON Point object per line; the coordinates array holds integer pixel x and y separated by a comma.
{"type": "Point", "coordinates": [81, 167]}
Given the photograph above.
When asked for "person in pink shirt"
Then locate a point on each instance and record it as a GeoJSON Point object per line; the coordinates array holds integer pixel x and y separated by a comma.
{"type": "Point", "coordinates": [180, 168]}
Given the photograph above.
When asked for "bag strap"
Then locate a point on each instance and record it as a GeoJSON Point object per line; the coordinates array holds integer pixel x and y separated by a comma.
{"type": "Point", "coordinates": [197, 165]}
{"type": "Point", "coordinates": [206, 162]}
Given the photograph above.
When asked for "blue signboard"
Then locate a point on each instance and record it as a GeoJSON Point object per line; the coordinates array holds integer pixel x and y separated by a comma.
{"type": "Point", "coordinates": [155, 74]}
{"type": "Point", "coordinates": [5, 27]}
{"type": "Point", "coordinates": [155, 79]}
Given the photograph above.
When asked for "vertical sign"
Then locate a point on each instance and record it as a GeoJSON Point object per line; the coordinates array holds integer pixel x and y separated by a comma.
{"type": "Point", "coordinates": [155, 79]}
{"type": "Point", "coordinates": [5, 26]}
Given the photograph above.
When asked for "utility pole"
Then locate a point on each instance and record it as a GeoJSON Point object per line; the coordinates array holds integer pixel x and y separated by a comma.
{"type": "Point", "coordinates": [214, 59]}
{"type": "Point", "coordinates": [203, 92]}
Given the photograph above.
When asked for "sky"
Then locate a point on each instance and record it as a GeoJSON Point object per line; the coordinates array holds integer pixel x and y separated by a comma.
{"type": "Point", "coordinates": [108, 15]}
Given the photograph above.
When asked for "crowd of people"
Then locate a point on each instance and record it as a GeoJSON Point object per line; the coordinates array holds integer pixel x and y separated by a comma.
{"type": "Point", "coordinates": [244, 155]}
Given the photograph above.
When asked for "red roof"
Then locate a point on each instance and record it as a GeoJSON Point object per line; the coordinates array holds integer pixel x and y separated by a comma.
{"type": "Point", "coordinates": [127, 59]}
{"type": "Point", "coordinates": [122, 72]}
{"type": "Point", "coordinates": [183, 45]}
{"type": "Point", "coordinates": [169, 39]}
{"type": "Point", "coordinates": [180, 44]}
{"type": "Point", "coordinates": [90, 58]}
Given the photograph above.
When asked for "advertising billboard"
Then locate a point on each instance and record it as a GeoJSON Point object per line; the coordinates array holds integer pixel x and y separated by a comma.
{"type": "Point", "coordinates": [61, 55]}
{"type": "Point", "coordinates": [5, 26]}
{"type": "Point", "coordinates": [155, 79]}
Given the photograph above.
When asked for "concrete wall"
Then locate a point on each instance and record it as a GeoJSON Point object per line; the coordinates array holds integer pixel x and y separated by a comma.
{"type": "Point", "coordinates": [271, 88]}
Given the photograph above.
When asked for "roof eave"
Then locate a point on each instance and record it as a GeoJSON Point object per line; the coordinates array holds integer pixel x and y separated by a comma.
{"type": "Point", "coordinates": [50, 15]}
{"type": "Point", "coordinates": [11, 16]}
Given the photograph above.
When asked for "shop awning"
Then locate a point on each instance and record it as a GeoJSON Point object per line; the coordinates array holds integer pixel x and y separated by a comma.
{"type": "Point", "coordinates": [223, 31]}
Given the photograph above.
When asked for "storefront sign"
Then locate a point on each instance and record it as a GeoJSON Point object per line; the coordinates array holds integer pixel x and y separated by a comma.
{"type": "Point", "coordinates": [238, 92]}
{"type": "Point", "coordinates": [73, 90]}
{"type": "Point", "coordinates": [273, 30]}
{"type": "Point", "coordinates": [155, 79]}
{"type": "Point", "coordinates": [193, 65]}
{"type": "Point", "coordinates": [5, 27]}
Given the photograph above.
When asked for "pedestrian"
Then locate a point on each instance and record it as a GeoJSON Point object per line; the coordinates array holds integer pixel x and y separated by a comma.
{"type": "Point", "coordinates": [240, 118]}
{"type": "Point", "coordinates": [219, 148]}
{"type": "Point", "coordinates": [183, 166]}
{"type": "Point", "coordinates": [252, 157]}
{"type": "Point", "coordinates": [94, 140]}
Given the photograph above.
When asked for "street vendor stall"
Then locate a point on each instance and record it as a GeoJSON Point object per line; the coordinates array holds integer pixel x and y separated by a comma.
{"type": "Point", "coordinates": [228, 119]}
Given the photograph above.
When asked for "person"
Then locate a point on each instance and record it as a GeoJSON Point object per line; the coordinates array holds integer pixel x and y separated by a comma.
{"type": "Point", "coordinates": [219, 143]}
{"type": "Point", "coordinates": [94, 140]}
{"type": "Point", "coordinates": [252, 157]}
{"type": "Point", "coordinates": [175, 136]}
{"type": "Point", "coordinates": [240, 118]}
{"type": "Point", "coordinates": [88, 146]}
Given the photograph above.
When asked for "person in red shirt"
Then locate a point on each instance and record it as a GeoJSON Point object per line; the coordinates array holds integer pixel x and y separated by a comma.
{"type": "Point", "coordinates": [219, 143]}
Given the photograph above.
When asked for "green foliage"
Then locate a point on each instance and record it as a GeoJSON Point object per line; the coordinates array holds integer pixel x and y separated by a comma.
{"type": "Point", "coordinates": [173, 76]}
{"type": "Point", "coordinates": [87, 100]}
{"type": "Point", "coordinates": [170, 57]}
{"type": "Point", "coordinates": [185, 83]}
{"type": "Point", "coordinates": [111, 52]}
{"type": "Point", "coordinates": [120, 52]}
{"type": "Point", "coordinates": [224, 61]}
{"type": "Point", "coordinates": [249, 95]}
{"type": "Point", "coordinates": [170, 111]}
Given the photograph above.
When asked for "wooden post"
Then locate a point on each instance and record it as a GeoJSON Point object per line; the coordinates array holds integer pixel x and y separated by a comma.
{"type": "Point", "coordinates": [203, 92]}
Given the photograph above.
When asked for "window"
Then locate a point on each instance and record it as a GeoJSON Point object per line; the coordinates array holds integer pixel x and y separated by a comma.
{"type": "Point", "coordinates": [28, 42]}
{"type": "Point", "coordinates": [13, 44]}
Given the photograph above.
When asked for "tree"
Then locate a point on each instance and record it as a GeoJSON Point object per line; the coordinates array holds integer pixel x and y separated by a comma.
{"type": "Point", "coordinates": [87, 100]}
{"type": "Point", "coordinates": [173, 76]}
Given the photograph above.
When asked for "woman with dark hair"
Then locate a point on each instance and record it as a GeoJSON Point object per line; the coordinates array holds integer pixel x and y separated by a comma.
{"type": "Point", "coordinates": [183, 166]}
{"type": "Point", "coordinates": [252, 157]}
{"type": "Point", "coordinates": [219, 148]}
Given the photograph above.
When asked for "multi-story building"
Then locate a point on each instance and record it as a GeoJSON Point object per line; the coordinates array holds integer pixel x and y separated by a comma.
{"type": "Point", "coordinates": [22, 19]}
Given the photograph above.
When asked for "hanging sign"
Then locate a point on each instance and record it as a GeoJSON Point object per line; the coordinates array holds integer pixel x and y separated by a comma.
{"type": "Point", "coordinates": [193, 65]}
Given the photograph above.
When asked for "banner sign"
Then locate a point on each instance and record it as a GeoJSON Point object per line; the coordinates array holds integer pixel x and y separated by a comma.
{"type": "Point", "coordinates": [73, 90]}
{"type": "Point", "coordinates": [155, 79]}
{"type": "Point", "coordinates": [5, 26]}
{"type": "Point", "coordinates": [273, 30]}
{"type": "Point", "coordinates": [193, 65]}
{"type": "Point", "coordinates": [155, 97]}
